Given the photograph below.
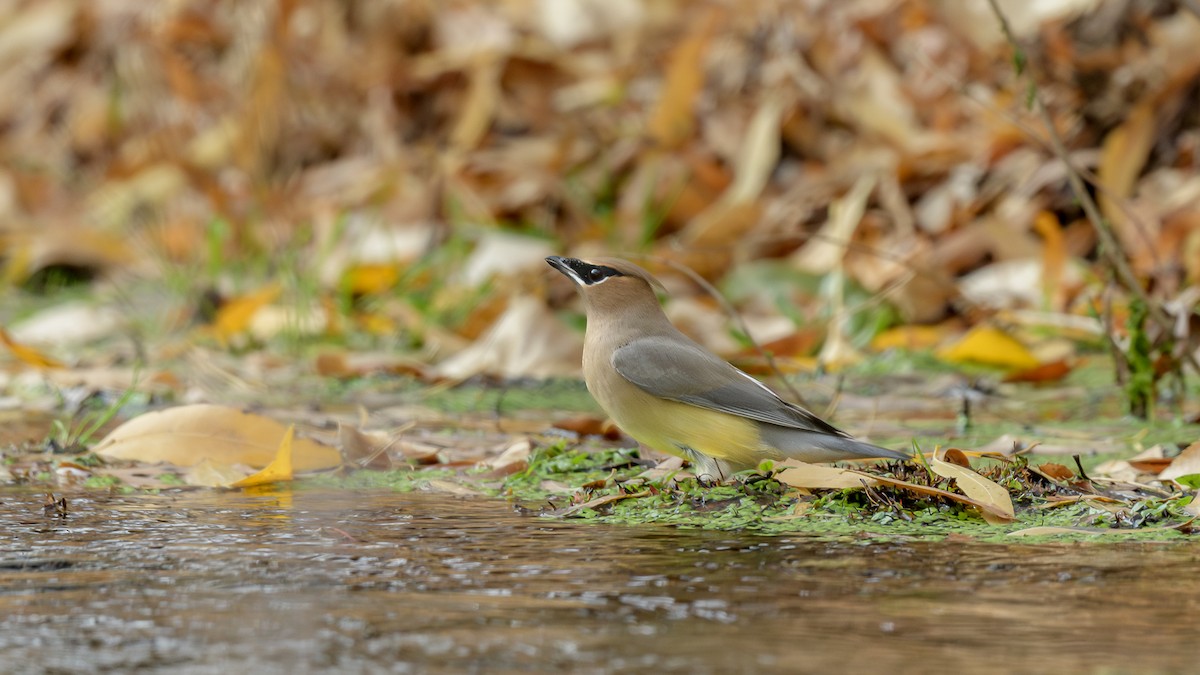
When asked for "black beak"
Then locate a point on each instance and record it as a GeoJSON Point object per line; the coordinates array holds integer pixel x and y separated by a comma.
{"type": "Point", "coordinates": [565, 266]}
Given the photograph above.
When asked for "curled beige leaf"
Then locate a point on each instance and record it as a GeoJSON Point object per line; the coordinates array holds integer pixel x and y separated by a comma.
{"type": "Point", "coordinates": [188, 435]}
{"type": "Point", "coordinates": [978, 488]}
{"type": "Point", "coordinates": [818, 477]}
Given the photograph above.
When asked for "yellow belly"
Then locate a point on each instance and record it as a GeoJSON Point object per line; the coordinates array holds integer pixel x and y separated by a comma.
{"type": "Point", "coordinates": [675, 428]}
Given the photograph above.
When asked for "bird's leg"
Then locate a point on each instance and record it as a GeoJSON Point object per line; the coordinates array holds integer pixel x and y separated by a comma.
{"type": "Point", "coordinates": [708, 470]}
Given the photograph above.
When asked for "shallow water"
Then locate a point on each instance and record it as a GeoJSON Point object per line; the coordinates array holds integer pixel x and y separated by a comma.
{"type": "Point", "coordinates": [389, 582]}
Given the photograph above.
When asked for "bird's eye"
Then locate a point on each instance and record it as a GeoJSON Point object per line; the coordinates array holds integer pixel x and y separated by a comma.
{"type": "Point", "coordinates": [596, 275]}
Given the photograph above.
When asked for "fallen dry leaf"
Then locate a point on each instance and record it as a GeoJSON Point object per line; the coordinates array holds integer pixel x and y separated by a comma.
{"type": "Point", "coordinates": [590, 425]}
{"type": "Point", "coordinates": [516, 453]}
{"type": "Point", "coordinates": [671, 466]}
{"type": "Point", "coordinates": [989, 346]}
{"type": "Point", "coordinates": [956, 456]}
{"type": "Point", "coordinates": [207, 473]}
{"type": "Point", "coordinates": [827, 249]}
{"type": "Point", "coordinates": [68, 324]}
{"type": "Point", "coordinates": [278, 471]}
{"type": "Point", "coordinates": [1056, 471]}
{"type": "Point", "coordinates": [979, 489]}
{"type": "Point", "coordinates": [936, 492]}
{"type": "Point", "coordinates": [29, 355]}
{"type": "Point", "coordinates": [187, 435]}
{"type": "Point", "coordinates": [673, 118]}
{"type": "Point", "coordinates": [1186, 464]}
{"type": "Point", "coordinates": [912, 338]}
{"type": "Point", "coordinates": [235, 315]}
{"type": "Point", "coordinates": [526, 341]}
{"type": "Point", "coordinates": [816, 476]}
{"type": "Point", "coordinates": [363, 450]}
{"type": "Point", "coordinates": [1043, 373]}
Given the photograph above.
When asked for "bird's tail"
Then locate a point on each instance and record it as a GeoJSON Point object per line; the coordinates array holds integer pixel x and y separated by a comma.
{"type": "Point", "coordinates": [817, 446]}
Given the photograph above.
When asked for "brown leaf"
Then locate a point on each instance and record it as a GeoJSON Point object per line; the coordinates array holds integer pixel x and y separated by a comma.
{"type": "Point", "coordinates": [590, 425]}
{"type": "Point", "coordinates": [1187, 463]}
{"type": "Point", "coordinates": [673, 119]}
{"type": "Point", "coordinates": [1122, 157]}
{"type": "Point", "coordinates": [475, 115]}
{"type": "Point", "coordinates": [1154, 465]}
{"type": "Point", "coordinates": [419, 453]}
{"type": "Point", "coordinates": [1054, 258]}
{"type": "Point", "coordinates": [367, 451]}
{"type": "Point", "coordinates": [956, 456]}
{"type": "Point", "coordinates": [1056, 471]}
{"type": "Point", "coordinates": [1046, 372]}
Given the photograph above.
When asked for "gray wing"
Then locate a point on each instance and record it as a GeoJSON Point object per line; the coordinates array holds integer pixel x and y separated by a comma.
{"type": "Point", "coordinates": [681, 370]}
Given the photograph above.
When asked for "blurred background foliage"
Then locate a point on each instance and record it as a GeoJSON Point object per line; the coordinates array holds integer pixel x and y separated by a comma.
{"type": "Point", "coordinates": [387, 175]}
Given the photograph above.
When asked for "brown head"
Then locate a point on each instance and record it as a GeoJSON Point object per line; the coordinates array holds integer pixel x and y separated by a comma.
{"type": "Point", "coordinates": [610, 286]}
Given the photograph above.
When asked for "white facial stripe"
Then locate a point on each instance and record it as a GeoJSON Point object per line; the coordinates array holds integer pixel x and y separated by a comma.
{"type": "Point", "coordinates": [570, 271]}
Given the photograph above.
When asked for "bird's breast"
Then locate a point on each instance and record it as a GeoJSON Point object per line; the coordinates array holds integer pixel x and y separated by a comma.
{"type": "Point", "coordinates": [670, 426]}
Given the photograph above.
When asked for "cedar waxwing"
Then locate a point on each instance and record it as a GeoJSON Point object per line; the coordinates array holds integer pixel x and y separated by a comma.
{"type": "Point", "coordinates": [677, 397]}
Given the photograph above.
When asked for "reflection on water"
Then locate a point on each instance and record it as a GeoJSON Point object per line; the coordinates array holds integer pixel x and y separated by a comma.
{"type": "Point", "coordinates": [371, 582]}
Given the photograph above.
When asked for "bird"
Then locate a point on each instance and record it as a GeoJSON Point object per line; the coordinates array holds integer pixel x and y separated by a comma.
{"type": "Point", "coordinates": [673, 395]}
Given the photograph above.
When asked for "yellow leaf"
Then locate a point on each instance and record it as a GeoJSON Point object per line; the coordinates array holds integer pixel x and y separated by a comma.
{"type": "Point", "coordinates": [978, 488]}
{"type": "Point", "coordinates": [908, 337]}
{"type": "Point", "coordinates": [29, 355]}
{"type": "Point", "coordinates": [280, 468]}
{"type": "Point", "coordinates": [187, 435]}
{"type": "Point", "coordinates": [377, 324]}
{"type": "Point", "coordinates": [368, 279]}
{"type": "Point", "coordinates": [989, 346]}
{"type": "Point", "coordinates": [234, 316]}
{"type": "Point", "coordinates": [814, 476]}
